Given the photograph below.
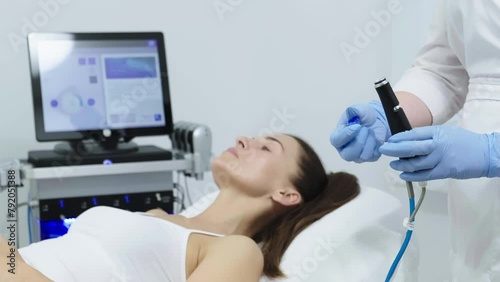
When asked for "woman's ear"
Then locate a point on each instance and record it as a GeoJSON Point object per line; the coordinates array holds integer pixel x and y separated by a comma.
{"type": "Point", "coordinates": [287, 197]}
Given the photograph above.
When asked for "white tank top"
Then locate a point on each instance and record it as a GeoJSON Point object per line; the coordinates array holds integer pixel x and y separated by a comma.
{"type": "Point", "coordinates": [107, 244]}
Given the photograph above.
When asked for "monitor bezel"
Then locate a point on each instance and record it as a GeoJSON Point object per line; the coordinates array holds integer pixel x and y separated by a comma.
{"type": "Point", "coordinates": [99, 134]}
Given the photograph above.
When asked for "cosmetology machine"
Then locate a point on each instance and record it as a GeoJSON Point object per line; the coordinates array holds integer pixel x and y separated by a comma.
{"type": "Point", "coordinates": [96, 92]}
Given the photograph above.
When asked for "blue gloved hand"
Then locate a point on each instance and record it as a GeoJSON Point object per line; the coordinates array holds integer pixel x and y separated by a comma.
{"type": "Point", "coordinates": [359, 141]}
{"type": "Point", "coordinates": [437, 152]}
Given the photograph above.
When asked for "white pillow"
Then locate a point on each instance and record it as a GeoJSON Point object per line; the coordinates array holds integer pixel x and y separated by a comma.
{"type": "Point", "coordinates": [348, 244]}
{"type": "Point", "coordinates": [369, 205]}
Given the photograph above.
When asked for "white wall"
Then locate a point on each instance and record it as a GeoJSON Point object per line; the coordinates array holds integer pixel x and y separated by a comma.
{"type": "Point", "coordinates": [233, 69]}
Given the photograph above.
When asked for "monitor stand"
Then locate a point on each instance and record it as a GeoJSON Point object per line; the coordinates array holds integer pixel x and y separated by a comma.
{"type": "Point", "coordinates": [91, 147]}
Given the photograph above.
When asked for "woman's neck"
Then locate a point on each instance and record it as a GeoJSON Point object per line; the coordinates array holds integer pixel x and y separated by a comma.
{"type": "Point", "coordinates": [234, 214]}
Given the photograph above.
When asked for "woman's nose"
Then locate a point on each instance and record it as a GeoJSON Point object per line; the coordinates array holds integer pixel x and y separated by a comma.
{"type": "Point", "coordinates": [242, 142]}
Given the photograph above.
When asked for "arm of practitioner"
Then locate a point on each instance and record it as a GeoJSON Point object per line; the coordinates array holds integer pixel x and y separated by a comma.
{"type": "Point", "coordinates": [434, 89]}
{"type": "Point", "coordinates": [440, 81]}
{"type": "Point", "coordinates": [430, 92]}
{"type": "Point", "coordinates": [233, 258]}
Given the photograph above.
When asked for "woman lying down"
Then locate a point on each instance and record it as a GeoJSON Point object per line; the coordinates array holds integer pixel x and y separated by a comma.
{"type": "Point", "coordinates": [271, 188]}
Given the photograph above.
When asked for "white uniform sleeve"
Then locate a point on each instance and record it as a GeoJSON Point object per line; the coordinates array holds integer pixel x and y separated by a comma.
{"type": "Point", "coordinates": [438, 77]}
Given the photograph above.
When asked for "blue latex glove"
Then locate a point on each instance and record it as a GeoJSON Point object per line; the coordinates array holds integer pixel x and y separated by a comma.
{"type": "Point", "coordinates": [437, 152]}
{"type": "Point", "coordinates": [360, 140]}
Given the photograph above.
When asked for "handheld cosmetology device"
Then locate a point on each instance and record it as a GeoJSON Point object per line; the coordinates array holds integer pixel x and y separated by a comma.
{"type": "Point", "coordinates": [398, 122]}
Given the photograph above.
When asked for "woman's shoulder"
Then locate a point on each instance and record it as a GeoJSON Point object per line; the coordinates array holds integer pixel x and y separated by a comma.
{"type": "Point", "coordinates": [238, 240]}
{"type": "Point", "coordinates": [236, 246]}
{"type": "Point", "coordinates": [233, 255]}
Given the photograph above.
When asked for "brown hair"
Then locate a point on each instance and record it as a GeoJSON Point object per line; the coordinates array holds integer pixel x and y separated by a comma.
{"type": "Point", "coordinates": [322, 193]}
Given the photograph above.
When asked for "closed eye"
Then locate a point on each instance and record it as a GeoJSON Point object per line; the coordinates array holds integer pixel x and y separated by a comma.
{"type": "Point", "coordinates": [265, 148]}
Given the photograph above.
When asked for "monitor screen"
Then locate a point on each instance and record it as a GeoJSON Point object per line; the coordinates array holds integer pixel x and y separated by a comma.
{"type": "Point", "coordinates": [90, 82]}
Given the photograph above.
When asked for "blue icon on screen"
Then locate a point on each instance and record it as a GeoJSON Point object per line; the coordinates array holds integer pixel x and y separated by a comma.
{"type": "Point", "coordinates": [157, 117]}
{"type": "Point", "coordinates": [151, 43]}
{"type": "Point", "coordinates": [91, 102]}
{"type": "Point", "coordinates": [54, 103]}
{"type": "Point", "coordinates": [107, 162]}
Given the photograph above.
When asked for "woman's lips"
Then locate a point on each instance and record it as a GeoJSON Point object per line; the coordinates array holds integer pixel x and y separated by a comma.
{"type": "Point", "coordinates": [233, 151]}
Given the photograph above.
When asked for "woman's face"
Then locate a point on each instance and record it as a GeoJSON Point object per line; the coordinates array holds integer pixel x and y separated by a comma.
{"type": "Point", "coordinates": [258, 166]}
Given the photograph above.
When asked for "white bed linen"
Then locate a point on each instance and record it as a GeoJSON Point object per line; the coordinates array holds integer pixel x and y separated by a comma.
{"type": "Point", "coordinates": [353, 243]}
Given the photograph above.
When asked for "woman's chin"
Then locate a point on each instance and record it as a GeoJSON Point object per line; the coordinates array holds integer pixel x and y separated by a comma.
{"type": "Point", "coordinates": [217, 165]}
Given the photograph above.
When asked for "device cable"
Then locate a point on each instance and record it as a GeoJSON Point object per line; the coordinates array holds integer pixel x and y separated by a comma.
{"type": "Point", "coordinates": [398, 122]}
